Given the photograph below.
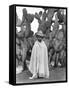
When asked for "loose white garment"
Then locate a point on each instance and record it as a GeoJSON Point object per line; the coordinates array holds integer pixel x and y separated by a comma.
{"type": "Point", "coordinates": [39, 60]}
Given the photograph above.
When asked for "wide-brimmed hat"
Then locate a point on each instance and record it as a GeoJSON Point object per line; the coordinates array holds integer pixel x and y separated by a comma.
{"type": "Point", "coordinates": [40, 33]}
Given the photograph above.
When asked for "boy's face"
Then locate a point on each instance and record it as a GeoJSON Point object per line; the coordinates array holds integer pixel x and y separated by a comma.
{"type": "Point", "coordinates": [39, 38]}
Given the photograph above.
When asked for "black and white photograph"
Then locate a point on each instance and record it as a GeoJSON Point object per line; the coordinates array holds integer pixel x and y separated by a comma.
{"type": "Point", "coordinates": [41, 44]}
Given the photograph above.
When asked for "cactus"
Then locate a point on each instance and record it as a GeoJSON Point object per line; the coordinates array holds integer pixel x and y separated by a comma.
{"type": "Point", "coordinates": [55, 39]}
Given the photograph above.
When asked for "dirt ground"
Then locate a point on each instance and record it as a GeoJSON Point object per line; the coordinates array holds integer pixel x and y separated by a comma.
{"type": "Point", "coordinates": [56, 74]}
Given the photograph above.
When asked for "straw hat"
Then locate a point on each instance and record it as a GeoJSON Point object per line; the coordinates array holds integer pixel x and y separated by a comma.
{"type": "Point", "coordinates": [40, 33]}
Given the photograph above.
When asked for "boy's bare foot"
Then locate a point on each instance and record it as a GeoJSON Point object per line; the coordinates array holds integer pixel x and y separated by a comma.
{"type": "Point", "coordinates": [33, 77]}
